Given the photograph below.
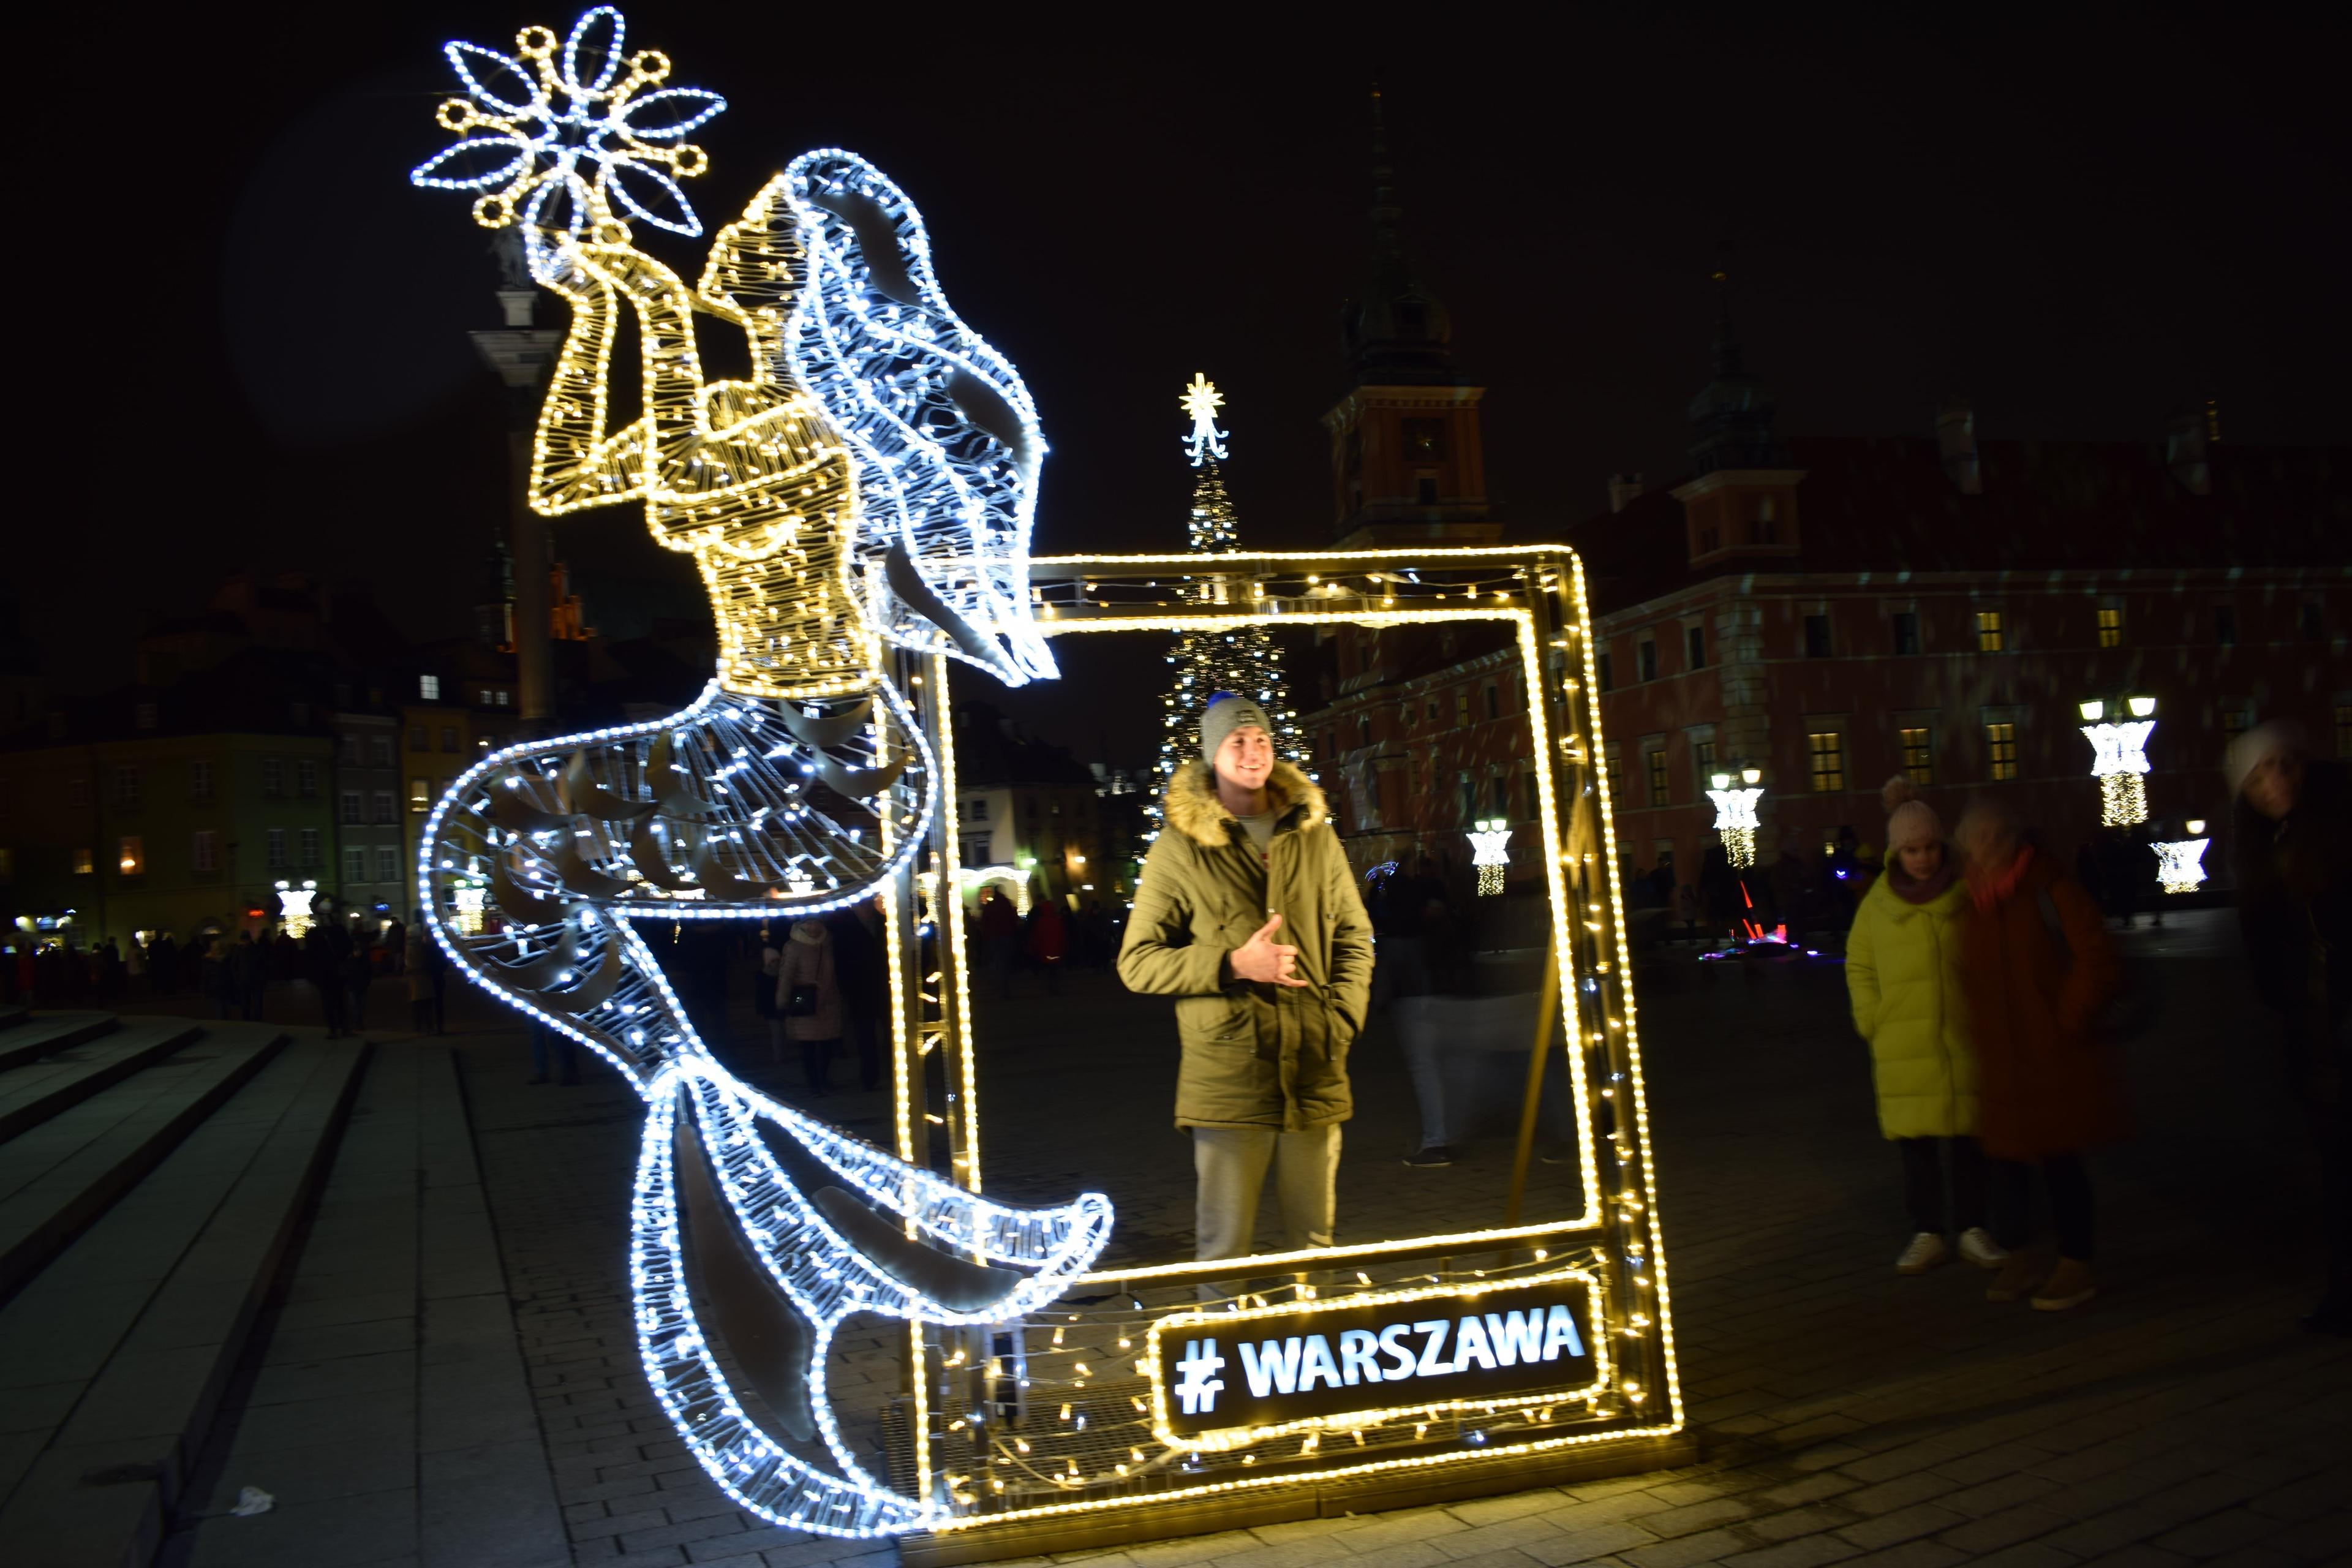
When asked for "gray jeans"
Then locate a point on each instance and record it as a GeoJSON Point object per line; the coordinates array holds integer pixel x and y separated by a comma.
{"type": "Point", "coordinates": [1231, 1165]}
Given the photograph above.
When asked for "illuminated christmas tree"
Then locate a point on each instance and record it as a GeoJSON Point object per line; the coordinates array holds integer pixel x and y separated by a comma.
{"type": "Point", "coordinates": [1244, 661]}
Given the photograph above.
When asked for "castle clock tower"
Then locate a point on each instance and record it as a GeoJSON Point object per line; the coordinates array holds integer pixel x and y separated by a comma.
{"type": "Point", "coordinates": [1408, 466]}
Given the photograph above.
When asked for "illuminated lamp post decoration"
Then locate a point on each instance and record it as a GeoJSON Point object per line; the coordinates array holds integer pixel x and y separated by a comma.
{"type": "Point", "coordinates": [1489, 854]}
{"type": "Point", "coordinates": [294, 916]}
{"type": "Point", "coordinates": [1735, 815]}
{"type": "Point", "coordinates": [2119, 759]}
{"type": "Point", "coordinates": [870, 483]}
{"type": "Point", "coordinates": [2180, 864]}
{"type": "Point", "coordinates": [1243, 660]}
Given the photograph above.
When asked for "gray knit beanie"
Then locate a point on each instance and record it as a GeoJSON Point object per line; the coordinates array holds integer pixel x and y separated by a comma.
{"type": "Point", "coordinates": [1225, 714]}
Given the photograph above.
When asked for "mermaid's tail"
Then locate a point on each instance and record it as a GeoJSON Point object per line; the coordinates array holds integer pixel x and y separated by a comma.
{"type": "Point", "coordinates": [772, 1228]}
{"type": "Point", "coordinates": [742, 807]}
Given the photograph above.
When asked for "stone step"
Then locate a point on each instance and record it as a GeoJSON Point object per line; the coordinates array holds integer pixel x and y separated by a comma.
{"type": "Point", "coordinates": [42, 1033]}
{"type": "Point", "coordinates": [57, 1177]}
{"type": "Point", "coordinates": [39, 1091]}
{"type": "Point", "coordinates": [11, 1017]}
{"type": "Point", "coordinates": [113, 1361]}
{"type": "Point", "coordinates": [387, 1409]}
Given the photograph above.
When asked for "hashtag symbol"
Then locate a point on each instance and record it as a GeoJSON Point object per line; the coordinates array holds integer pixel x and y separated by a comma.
{"type": "Point", "coordinates": [1197, 1387]}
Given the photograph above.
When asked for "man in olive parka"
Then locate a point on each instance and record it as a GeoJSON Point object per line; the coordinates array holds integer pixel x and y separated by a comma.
{"type": "Point", "coordinates": [1248, 915]}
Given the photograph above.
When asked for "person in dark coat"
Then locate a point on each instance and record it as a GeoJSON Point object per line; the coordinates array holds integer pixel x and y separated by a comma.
{"type": "Point", "coordinates": [253, 969]}
{"type": "Point", "coordinates": [436, 969]}
{"type": "Point", "coordinates": [219, 981]}
{"type": "Point", "coordinates": [1000, 938]}
{"type": "Point", "coordinates": [359, 973]}
{"type": "Point", "coordinates": [1048, 942]}
{"type": "Point", "coordinates": [2292, 836]}
{"type": "Point", "coordinates": [808, 995]}
{"type": "Point", "coordinates": [2118, 878]}
{"type": "Point", "coordinates": [763, 988]}
{"type": "Point", "coordinates": [323, 962]}
{"type": "Point", "coordinates": [2036, 967]}
{"type": "Point", "coordinates": [163, 964]}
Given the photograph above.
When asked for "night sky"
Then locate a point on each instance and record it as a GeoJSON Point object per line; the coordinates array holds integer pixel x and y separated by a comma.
{"type": "Point", "coordinates": [259, 346]}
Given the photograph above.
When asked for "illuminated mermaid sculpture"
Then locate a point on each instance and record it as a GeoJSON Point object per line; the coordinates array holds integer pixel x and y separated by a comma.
{"type": "Point", "coordinates": [871, 482]}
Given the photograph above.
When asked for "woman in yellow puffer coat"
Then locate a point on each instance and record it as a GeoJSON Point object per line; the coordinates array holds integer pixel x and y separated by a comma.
{"type": "Point", "coordinates": [1902, 973]}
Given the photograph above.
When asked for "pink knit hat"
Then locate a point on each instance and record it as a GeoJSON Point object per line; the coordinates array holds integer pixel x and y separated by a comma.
{"type": "Point", "coordinates": [1911, 821]}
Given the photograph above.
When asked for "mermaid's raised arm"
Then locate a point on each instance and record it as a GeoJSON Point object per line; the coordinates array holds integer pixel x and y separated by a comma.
{"type": "Point", "coordinates": [574, 462]}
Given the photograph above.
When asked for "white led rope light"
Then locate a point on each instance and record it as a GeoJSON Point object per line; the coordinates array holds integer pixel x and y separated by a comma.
{"type": "Point", "coordinates": [896, 501]}
{"type": "Point", "coordinates": [942, 428]}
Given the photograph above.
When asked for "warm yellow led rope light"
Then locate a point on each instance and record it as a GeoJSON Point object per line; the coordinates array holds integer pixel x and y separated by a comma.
{"type": "Point", "coordinates": [1612, 1030]}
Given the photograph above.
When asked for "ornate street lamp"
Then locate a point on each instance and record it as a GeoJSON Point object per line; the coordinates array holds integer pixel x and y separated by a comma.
{"type": "Point", "coordinates": [2120, 758]}
{"type": "Point", "coordinates": [1735, 815]}
{"type": "Point", "coordinates": [294, 907]}
{"type": "Point", "coordinates": [2180, 865]}
{"type": "Point", "coordinates": [1488, 837]}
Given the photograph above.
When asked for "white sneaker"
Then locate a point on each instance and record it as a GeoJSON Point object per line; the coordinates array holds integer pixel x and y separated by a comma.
{"type": "Point", "coordinates": [1927, 1250]}
{"type": "Point", "coordinates": [1978, 1247]}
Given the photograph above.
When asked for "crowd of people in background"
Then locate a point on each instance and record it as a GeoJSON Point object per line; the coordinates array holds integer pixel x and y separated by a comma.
{"type": "Point", "coordinates": [1983, 977]}
{"type": "Point", "coordinates": [1047, 940]}
{"type": "Point", "coordinates": [231, 973]}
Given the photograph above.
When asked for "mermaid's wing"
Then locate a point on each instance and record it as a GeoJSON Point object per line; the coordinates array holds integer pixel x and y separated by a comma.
{"type": "Point", "coordinates": [943, 432]}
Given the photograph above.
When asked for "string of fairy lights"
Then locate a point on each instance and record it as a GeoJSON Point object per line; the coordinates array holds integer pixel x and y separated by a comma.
{"type": "Point", "coordinates": [1240, 660]}
{"type": "Point", "coordinates": [1079, 1383]}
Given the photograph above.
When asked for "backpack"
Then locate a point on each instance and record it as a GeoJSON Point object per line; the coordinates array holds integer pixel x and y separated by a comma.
{"type": "Point", "coordinates": [2131, 1011]}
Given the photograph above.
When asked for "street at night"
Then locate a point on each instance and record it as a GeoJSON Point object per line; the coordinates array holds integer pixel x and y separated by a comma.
{"type": "Point", "coordinates": [1361, 792]}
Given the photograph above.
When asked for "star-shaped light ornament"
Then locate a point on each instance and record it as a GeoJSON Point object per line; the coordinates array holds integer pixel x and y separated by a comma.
{"type": "Point", "coordinates": [566, 137]}
{"type": "Point", "coordinates": [1489, 854]}
{"type": "Point", "coordinates": [1202, 400]}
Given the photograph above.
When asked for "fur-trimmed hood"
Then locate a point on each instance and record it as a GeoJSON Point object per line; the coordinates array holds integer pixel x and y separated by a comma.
{"type": "Point", "coordinates": [1194, 810]}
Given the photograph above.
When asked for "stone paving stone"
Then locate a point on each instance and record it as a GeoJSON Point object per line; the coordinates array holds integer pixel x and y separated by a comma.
{"type": "Point", "coordinates": [1911, 1554]}
{"type": "Point", "coordinates": [1793, 1522]}
{"type": "Point", "coordinates": [1583, 1543]}
{"type": "Point", "coordinates": [1707, 1546]}
{"type": "Point", "coordinates": [1805, 1551]}
{"type": "Point", "coordinates": [1674, 1521]}
{"type": "Point", "coordinates": [2328, 1536]}
{"type": "Point", "coordinates": [2219, 1532]}
{"type": "Point", "coordinates": [1991, 1531]}
{"type": "Point", "coordinates": [2255, 1557]}
{"type": "Point", "coordinates": [1992, 1496]}
{"type": "Point", "coordinates": [1903, 1524]}
{"type": "Point", "coordinates": [2136, 1557]}
{"type": "Point", "coordinates": [1413, 1554]}
{"type": "Point", "coordinates": [1900, 1492]}
{"type": "Point", "coordinates": [1490, 1511]}
{"type": "Point", "coordinates": [1504, 1558]}
{"type": "Point", "coordinates": [2027, 1554]}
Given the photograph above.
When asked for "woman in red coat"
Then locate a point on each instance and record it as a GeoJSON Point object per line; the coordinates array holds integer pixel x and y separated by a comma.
{"type": "Point", "coordinates": [2036, 967]}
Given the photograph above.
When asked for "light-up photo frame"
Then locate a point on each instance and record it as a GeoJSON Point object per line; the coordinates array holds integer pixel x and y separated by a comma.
{"type": "Point", "coordinates": [1557, 1352]}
